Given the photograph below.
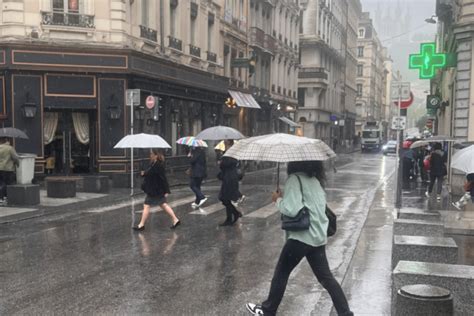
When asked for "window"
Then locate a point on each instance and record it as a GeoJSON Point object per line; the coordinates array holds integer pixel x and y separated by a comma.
{"type": "Point", "coordinates": [360, 70]}
{"type": "Point", "coordinates": [361, 33]}
{"type": "Point", "coordinates": [145, 10]}
{"type": "Point", "coordinates": [192, 25]}
{"type": "Point", "coordinates": [359, 90]}
{"type": "Point", "coordinates": [360, 51]}
{"type": "Point", "coordinates": [70, 6]}
{"type": "Point", "coordinates": [226, 61]}
{"type": "Point", "coordinates": [210, 29]}
{"type": "Point", "coordinates": [172, 20]}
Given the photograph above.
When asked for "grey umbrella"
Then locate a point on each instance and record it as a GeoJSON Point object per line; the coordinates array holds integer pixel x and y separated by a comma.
{"type": "Point", "coordinates": [11, 132]}
{"type": "Point", "coordinates": [219, 133]}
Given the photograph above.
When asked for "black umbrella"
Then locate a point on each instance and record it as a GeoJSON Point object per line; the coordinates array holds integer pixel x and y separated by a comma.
{"type": "Point", "coordinates": [11, 132]}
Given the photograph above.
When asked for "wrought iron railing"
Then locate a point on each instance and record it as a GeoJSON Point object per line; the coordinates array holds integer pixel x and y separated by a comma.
{"type": "Point", "coordinates": [175, 43]}
{"type": "Point", "coordinates": [313, 72]}
{"type": "Point", "coordinates": [67, 19]}
{"type": "Point", "coordinates": [211, 57]}
{"type": "Point", "coordinates": [194, 50]}
{"type": "Point", "coordinates": [148, 33]}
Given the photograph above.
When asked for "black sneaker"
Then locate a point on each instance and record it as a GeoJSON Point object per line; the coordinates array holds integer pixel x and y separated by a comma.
{"type": "Point", "coordinates": [254, 309]}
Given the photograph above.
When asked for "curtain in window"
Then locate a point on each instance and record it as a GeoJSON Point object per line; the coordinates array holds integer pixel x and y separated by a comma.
{"type": "Point", "coordinates": [81, 126]}
{"type": "Point", "coordinates": [50, 124]}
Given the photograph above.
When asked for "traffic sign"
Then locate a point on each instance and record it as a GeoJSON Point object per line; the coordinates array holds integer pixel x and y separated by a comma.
{"type": "Point", "coordinates": [405, 91]}
{"type": "Point", "coordinates": [150, 102]}
{"type": "Point", "coordinates": [133, 96]}
{"type": "Point", "coordinates": [427, 61]}
{"type": "Point", "coordinates": [406, 104]}
{"type": "Point", "coordinates": [399, 122]}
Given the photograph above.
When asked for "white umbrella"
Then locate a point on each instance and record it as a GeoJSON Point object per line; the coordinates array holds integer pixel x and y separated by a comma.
{"type": "Point", "coordinates": [440, 138]}
{"type": "Point", "coordinates": [419, 143]}
{"type": "Point", "coordinates": [142, 141]}
{"type": "Point", "coordinates": [280, 148]}
{"type": "Point", "coordinates": [220, 133]}
{"type": "Point", "coordinates": [11, 132]}
{"type": "Point", "coordinates": [463, 160]}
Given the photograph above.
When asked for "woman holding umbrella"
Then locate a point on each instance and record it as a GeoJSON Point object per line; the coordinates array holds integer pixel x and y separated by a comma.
{"type": "Point", "coordinates": [229, 189]}
{"type": "Point", "coordinates": [156, 187]}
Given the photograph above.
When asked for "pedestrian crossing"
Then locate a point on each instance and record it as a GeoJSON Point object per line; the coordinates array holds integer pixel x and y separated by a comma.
{"type": "Point", "coordinates": [263, 212]}
{"type": "Point", "coordinates": [208, 210]}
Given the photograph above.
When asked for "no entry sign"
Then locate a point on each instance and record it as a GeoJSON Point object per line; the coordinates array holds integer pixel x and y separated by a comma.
{"type": "Point", "coordinates": [150, 102]}
{"type": "Point", "coordinates": [406, 104]}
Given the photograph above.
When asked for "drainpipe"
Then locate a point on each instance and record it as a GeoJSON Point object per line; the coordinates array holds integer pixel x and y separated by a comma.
{"type": "Point", "coordinates": [162, 25]}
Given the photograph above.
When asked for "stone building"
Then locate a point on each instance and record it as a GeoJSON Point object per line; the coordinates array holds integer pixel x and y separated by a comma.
{"type": "Point", "coordinates": [322, 77]}
{"type": "Point", "coordinates": [371, 75]}
{"type": "Point", "coordinates": [65, 66]}
{"type": "Point", "coordinates": [273, 38]}
{"type": "Point", "coordinates": [455, 115]}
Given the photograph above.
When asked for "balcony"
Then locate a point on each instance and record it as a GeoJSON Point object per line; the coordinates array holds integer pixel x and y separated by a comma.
{"type": "Point", "coordinates": [313, 72]}
{"type": "Point", "coordinates": [148, 33]}
{"type": "Point", "coordinates": [257, 37]}
{"type": "Point", "coordinates": [67, 19]}
{"type": "Point", "coordinates": [175, 43]}
{"type": "Point", "coordinates": [269, 43]}
{"type": "Point", "coordinates": [211, 57]}
{"type": "Point", "coordinates": [195, 51]}
{"type": "Point", "coordinates": [273, 87]}
{"type": "Point", "coordinates": [279, 90]}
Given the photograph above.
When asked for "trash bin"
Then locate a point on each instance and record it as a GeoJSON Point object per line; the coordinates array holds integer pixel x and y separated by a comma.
{"type": "Point", "coordinates": [26, 168]}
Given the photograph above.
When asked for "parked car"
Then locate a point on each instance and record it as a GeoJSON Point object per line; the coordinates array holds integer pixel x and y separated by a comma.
{"type": "Point", "coordinates": [390, 147]}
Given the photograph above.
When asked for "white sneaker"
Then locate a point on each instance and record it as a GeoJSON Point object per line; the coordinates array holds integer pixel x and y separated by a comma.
{"type": "Point", "coordinates": [254, 309]}
{"type": "Point", "coordinates": [456, 205]}
{"type": "Point", "coordinates": [194, 205]}
{"type": "Point", "coordinates": [241, 200]}
{"type": "Point", "coordinates": [427, 194]}
{"type": "Point", "coordinates": [202, 202]}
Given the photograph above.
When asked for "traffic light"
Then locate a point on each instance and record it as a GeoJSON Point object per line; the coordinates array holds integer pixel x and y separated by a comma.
{"type": "Point", "coordinates": [252, 63]}
{"type": "Point", "coordinates": [230, 103]}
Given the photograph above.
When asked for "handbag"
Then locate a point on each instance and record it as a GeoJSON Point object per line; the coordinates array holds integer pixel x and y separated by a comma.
{"type": "Point", "coordinates": [332, 226]}
{"type": "Point", "coordinates": [299, 222]}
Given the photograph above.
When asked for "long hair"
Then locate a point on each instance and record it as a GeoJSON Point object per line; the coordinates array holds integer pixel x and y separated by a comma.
{"type": "Point", "coordinates": [312, 168]}
{"type": "Point", "coordinates": [157, 152]}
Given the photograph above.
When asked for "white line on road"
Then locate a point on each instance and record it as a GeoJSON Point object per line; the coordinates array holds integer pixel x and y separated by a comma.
{"type": "Point", "coordinates": [208, 210]}
{"type": "Point", "coordinates": [264, 212]}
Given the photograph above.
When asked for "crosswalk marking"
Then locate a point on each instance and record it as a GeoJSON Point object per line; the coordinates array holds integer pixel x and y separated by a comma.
{"type": "Point", "coordinates": [264, 212]}
{"type": "Point", "coordinates": [208, 209]}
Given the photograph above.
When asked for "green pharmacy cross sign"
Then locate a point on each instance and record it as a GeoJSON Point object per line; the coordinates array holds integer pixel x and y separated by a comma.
{"type": "Point", "coordinates": [427, 61]}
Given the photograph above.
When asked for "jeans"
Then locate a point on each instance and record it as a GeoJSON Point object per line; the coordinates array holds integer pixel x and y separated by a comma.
{"type": "Point", "coordinates": [439, 179]}
{"type": "Point", "coordinates": [195, 184]}
{"type": "Point", "coordinates": [290, 256]}
{"type": "Point", "coordinates": [6, 178]}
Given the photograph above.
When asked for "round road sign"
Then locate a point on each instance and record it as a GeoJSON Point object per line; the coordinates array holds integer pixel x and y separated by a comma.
{"type": "Point", "coordinates": [150, 102]}
{"type": "Point", "coordinates": [406, 104]}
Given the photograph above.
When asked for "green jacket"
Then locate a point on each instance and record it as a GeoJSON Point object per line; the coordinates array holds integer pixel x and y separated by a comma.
{"type": "Point", "coordinates": [314, 200]}
{"type": "Point", "coordinates": [8, 158]}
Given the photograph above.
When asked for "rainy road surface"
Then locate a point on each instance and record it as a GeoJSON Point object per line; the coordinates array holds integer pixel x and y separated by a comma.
{"type": "Point", "coordinates": [93, 263]}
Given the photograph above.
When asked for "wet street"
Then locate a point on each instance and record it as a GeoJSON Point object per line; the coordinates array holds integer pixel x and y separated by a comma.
{"type": "Point", "coordinates": [93, 263]}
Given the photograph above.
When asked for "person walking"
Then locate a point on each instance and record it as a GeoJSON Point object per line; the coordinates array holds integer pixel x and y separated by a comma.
{"type": "Point", "coordinates": [239, 167]}
{"type": "Point", "coordinates": [198, 172]}
{"type": "Point", "coordinates": [438, 170]}
{"type": "Point", "coordinates": [8, 162]}
{"type": "Point", "coordinates": [155, 185]}
{"type": "Point", "coordinates": [303, 188]}
{"type": "Point", "coordinates": [229, 189]}
{"type": "Point", "coordinates": [469, 192]}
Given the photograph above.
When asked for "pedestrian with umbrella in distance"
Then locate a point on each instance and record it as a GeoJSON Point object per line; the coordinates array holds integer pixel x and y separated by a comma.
{"type": "Point", "coordinates": [8, 162]}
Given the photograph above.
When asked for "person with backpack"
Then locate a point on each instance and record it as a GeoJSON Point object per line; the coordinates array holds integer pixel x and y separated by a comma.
{"type": "Point", "coordinates": [438, 170]}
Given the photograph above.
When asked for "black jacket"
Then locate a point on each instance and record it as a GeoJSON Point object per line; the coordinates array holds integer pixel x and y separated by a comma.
{"type": "Point", "coordinates": [230, 180]}
{"type": "Point", "coordinates": [438, 163]}
{"type": "Point", "coordinates": [198, 163]}
{"type": "Point", "coordinates": [155, 182]}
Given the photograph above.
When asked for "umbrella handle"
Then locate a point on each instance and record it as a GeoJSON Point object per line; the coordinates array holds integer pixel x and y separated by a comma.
{"type": "Point", "coordinates": [278, 176]}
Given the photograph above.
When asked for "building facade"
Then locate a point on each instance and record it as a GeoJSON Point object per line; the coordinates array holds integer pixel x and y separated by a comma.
{"type": "Point", "coordinates": [371, 75]}
{"type": "Point", "coordinates": [322, 77]}
{"type": "Point", "coordinates": [455, 115]}
{"type": "Point", "coordinates": [66, 65]}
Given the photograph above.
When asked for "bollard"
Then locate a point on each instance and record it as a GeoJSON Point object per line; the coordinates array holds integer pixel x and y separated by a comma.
{"type": "Point", "coordinates": [423, 299]}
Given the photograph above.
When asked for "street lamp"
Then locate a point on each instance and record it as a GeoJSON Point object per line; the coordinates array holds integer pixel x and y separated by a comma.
{"type": "Point", "coordinates": [431, 20]}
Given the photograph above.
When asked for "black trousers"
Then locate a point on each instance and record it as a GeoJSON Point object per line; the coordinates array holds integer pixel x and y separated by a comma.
{"type": "Point", "coordinates": [6, 178]}
{"type": "Point", "coordinates": [230, 210]}
{"type": "Point", "coordinates": [195, 185]}
{"type": "Point", "coordinates": [290, 256]}
{"type": "Point", "coordinates": [439, 179]}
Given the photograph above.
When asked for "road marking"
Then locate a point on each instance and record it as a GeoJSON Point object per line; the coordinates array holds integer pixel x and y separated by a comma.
{"type": "Point", "coordinates": [264, 212]}
{"type": "Point", "coordinates": [209, 209]}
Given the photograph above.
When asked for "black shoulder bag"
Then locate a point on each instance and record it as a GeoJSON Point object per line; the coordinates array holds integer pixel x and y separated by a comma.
{"type": "Point", "coordinates": [301, 221]}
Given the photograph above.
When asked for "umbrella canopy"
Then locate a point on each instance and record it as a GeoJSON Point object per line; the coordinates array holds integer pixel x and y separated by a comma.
{"type": "Point", "coordinates": [280, 148]}
{"type": "Point", "coordinates": [463, 160]}
{"type": "Point", "coordinates": [220, 133]}
{"type": "Point", "coordinates": [419, 143]}
{"type": "Point", "coordinates": [440, 138]}
{"type": "Point", "coordinates": [221, 145]}
{"type": "Point", "coordinates": [142, 141]}
{"type": "Point", "coordinates": [191, 141]}
{"type": "Point", "coordinates": [11, 132]}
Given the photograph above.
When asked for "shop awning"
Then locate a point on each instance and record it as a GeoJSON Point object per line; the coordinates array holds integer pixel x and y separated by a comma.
{"type": "Point", "coordinates": [288, 121]}
{"type": "Point", "coordinates": [244, 100]}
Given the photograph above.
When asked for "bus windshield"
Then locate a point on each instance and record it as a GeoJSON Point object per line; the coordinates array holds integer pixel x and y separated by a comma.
{"type": "Point", "coordinates": [368, 134]}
